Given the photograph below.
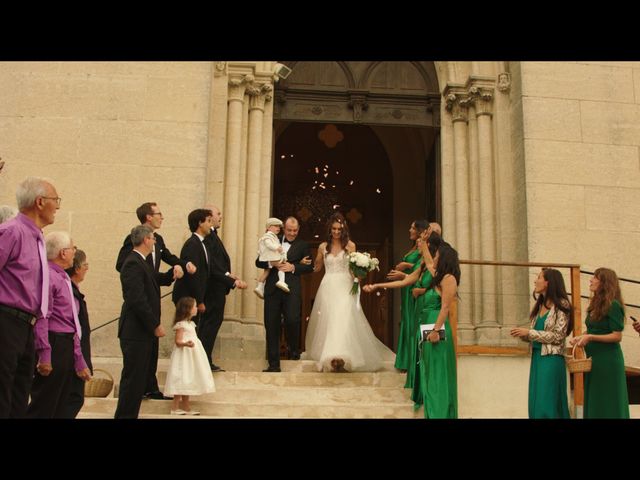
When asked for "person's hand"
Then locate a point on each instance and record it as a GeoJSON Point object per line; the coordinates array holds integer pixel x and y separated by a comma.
{"type": "Point", "coordinates": [416, 292]}
{"type": "Point", "coordinates": [396, 275]}
{"type": "Point", "coordinates": [84, 374]}
{"type": "Point", "coordinates": [159, 331]}
{"type": "Point", "coordinates": [369, 288]}
{"type": "Point", "coordinates": [189, 344]}
{"type": "Point", "coordinates": [403, 266]}
{"type": "Point", "coordinates": [240, 284]}
{"type": "Point", "coordinates": [234, 276]}
{"type": "Point", "coordinates": [519, 332]}
{"type": "Point", "coordinates": [280, 250]}
{"type": "Point", "coordinates": [177, 272]}
{"type": "Point", "coordinates": [433, 337]}
{"type": "Point", "coordinates": [44, 369]}
{"type": "Point", "coordinates": [191, 268]}
{"type": "Point", "coordinates": [306, 260]}
{"type": "Point", "coordinates": [201, 308]}
{"type": "Point", "coordinates": [581, 340]}
{"type": "Point", "coordinates": [286, 267]}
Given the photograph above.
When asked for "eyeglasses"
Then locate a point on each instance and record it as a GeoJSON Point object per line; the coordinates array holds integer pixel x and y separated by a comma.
{"type": "Point", "coordinates": [74, 248]}
{"type": "Point", "coordinates": [156, 213]}
{"type": "Point", "coordinates": [57, 199]}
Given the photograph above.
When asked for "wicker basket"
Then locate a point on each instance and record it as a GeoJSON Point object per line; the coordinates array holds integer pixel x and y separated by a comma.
{"type": "Point", "coordinates": [98, 387]}
{"type": "Point", "coordinates": [578, 365]}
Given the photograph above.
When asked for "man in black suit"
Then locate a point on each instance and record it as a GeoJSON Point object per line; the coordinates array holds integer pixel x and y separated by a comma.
{"type": "Point", "coordinates": [195, 251]}
{"type": "Point", "coordinates": [139, 325]}
{"type": "Point", "coordinates": [221, 281]}
{"type": "Point", "coordinates": [149, 214]}
{"type": "Point", "coordinates": [278, 303]}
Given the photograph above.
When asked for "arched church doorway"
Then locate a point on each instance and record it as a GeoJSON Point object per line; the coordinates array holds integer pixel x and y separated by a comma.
{"type": "Point", "coordinates": [361, 138]}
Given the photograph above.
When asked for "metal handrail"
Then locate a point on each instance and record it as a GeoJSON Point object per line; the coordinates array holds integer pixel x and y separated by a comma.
{"type": "Point", "coordinates": [118, 318]}
{"type": "Point", "coordinates": [630, 280]}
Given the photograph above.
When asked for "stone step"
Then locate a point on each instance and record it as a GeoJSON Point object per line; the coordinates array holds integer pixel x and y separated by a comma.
{"type": "Point", "coordinates": [105, 407]}
{"type": "Point", "coordinates": [250, 372]}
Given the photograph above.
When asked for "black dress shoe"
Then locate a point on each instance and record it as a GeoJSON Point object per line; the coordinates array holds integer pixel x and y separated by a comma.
{"type": "Point", "coordinates": [295, 356]}
{"type": "Point", "coordinates": [216, 368]}
{"type": "Point", "coordinates": [156, 396]}
{"type": "Point", "coordinates": [272, 369]}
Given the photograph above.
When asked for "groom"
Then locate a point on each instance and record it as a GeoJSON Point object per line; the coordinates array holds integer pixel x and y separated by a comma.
{"type": "Point", "coordinates": [278, 303]}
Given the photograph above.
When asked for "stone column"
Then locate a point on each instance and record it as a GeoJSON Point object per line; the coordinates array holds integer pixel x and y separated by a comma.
{"type": "Point", "coordinates": [231, 228]}
{"type": "Point", "coordinates": [258, 95]}
{"type": "Point", "coordinates": [457, 104]}
{"type": "Point", "coordinates": [487, 329]}
{"type": "Point", "coordinates": [474, 194]}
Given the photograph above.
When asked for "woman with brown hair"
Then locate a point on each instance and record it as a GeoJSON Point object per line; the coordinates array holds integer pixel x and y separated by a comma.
{"type": "Point", "coordinates": [550, 324]}
{"type": "Point", "coordinates": [339, 337]}
{"type": "Point", "coordinates": [605, 387]}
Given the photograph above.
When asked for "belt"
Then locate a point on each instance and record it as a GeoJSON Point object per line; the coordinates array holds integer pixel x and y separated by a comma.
{"type": "Point", "coordinates": [62, 334]}
{"type": "Point", "coordinates": [22, 315]}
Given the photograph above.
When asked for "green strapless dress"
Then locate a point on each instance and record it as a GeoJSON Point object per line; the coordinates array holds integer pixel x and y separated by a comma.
{"type": "Point", "coordinates": [423, 282]}
{"type": "Point", "coordinates": [435, 383]}
{"type": "Point", "coordinates": [407, 321]}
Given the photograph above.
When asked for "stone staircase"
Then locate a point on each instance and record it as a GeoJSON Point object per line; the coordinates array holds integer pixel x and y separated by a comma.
{"type": "Point", "coordinates": [299, 391]}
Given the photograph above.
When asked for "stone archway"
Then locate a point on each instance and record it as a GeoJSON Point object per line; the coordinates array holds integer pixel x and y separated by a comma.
{"type": "Point", "coordinates": [400, 103]}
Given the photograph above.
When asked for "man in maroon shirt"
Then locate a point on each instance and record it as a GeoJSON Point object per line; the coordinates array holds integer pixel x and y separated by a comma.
{"type": "Point", "coordinates": [23, 277]}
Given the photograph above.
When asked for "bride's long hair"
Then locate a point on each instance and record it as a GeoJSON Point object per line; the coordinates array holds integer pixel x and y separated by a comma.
{"type": "Point", "coordinates": [344, 237]}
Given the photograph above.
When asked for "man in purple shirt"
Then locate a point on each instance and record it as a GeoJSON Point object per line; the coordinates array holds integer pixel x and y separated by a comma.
{"type": "Point", "coordinates": [57, 336]}
{"type": "Point", "coordinates": [22, 280]}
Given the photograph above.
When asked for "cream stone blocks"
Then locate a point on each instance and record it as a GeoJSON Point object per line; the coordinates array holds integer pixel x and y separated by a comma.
{"type": "Point", "coordinates": [110, 135]}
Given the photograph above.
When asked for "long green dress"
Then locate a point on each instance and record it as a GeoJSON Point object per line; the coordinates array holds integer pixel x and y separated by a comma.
{"type": "Point", "coordinates": [547, 382]}
{"type": "Point", "coordinates": [605, 387]}
{"type": "Point", "coordinates": [435, 383]}
{"type": "Point", "coordinates": [423, 282]}
{"type": "Point", "coordinates": [407, 322]}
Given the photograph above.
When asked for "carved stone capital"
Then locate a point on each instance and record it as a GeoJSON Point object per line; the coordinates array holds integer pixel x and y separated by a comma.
{"type": "Point", "coordinates": [358, 103]}
{"type": "Point", "coordinates": [220, 69]}
{"type": "Point", "coordinates": [482, 99]}
{"type": "Point", "coordinates": [504, 82]}
{"type": "Point", "coordinates": [480, 91]}
{"type": "Point", "coordinates": [237, 86]}
{"type": "Point", "coordinates": [457, 102]}
{"type": "Point", "coordinates": [259, 93]}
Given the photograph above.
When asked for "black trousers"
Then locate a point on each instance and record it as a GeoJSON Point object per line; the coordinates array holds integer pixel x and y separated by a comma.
{"type": "Point", "coordinates": [75, 400]}
{"type": "Point", "coordinates": [136, 356]}
{"type": "Point", "coordinates": [17, 361]}
{"type": "Point", "coordinates": [50, 394]}
{"type": "Point", "coordinates": [211, 320]}
{"type": "Point", "coordinates": [278, 305]}
{"type": "Point", "coordinates": [152, 381]}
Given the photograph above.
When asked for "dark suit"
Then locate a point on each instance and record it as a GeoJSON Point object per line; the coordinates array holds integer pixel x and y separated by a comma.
{"type": "Point", "coordinates": [164, 279]}
{"type": "Point", "coordinates": [76, 395]}
{"type": "Point", "coordinates": [192, 285]}
{"type": "Point", "coordinates": [218, 286]}
{"type": "Point", "coordinates": [278, 303]}
{"type": "Point", "coordinates": [139, 318]}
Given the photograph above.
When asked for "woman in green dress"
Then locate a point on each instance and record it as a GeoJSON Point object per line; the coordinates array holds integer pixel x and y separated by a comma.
{"type": "Point", "coordinates": [435, 383]}
{"type": "Point", "coordinates": [410, 262]}
{"type": "Point", "coordinates": [551, 322]}
{"type": "Point", "coordinates": [605, 386]}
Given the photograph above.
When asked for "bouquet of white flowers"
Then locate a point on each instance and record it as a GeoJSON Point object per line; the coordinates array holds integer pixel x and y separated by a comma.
{"type": "Point", "coordinates": [361, 263]}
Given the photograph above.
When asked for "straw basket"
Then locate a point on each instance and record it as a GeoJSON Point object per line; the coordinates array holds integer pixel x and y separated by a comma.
{"type": "Point", "coordinates": [578, 365]}
{"type": "Point", "coordinates": [98, 387]}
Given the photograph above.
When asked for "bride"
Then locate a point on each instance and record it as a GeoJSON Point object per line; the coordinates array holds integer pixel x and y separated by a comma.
{"type": "Point", "coordinates": [339, 337]}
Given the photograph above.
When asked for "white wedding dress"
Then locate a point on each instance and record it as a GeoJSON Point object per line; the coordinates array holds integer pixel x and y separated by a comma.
{"type": "Point", "coordinates": [338, 329]}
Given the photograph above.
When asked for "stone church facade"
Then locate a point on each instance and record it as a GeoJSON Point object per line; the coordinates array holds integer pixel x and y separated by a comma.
{"type": "Point", "coordinates": [524, 161]}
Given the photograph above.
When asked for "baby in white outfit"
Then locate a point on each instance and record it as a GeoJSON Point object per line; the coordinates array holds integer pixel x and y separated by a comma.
{"type": "Point", "coordinates": [270, 250]}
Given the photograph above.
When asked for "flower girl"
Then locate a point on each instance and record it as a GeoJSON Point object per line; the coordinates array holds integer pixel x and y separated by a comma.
{"type": "Point", "coordinates": [189, 372]}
